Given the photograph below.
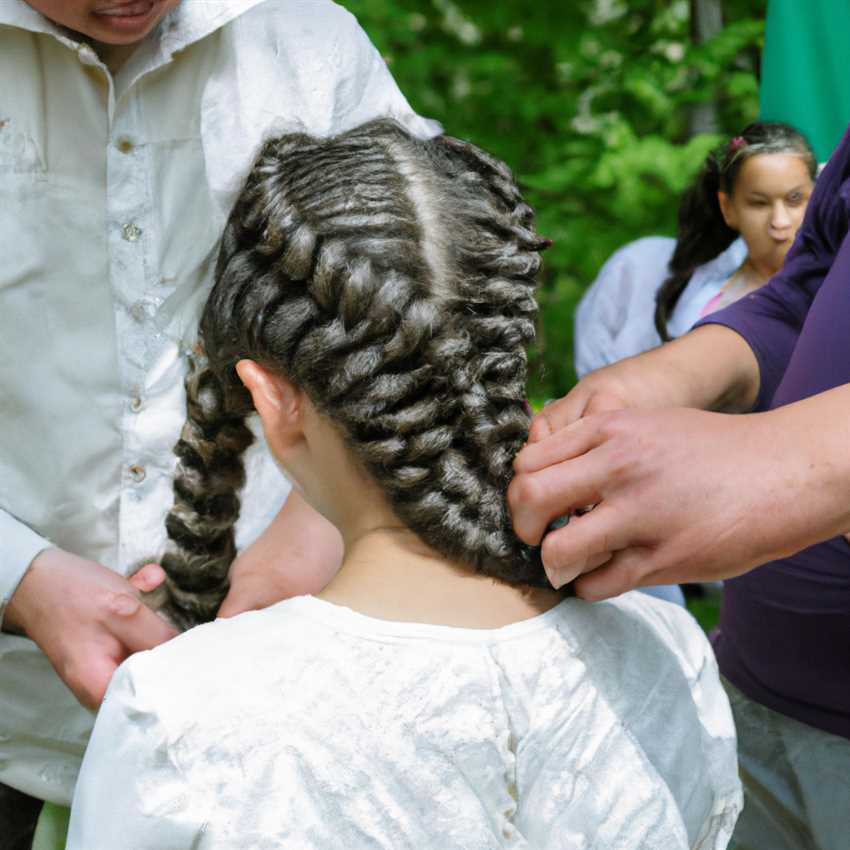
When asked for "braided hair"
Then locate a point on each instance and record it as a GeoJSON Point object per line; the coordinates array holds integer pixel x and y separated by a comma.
{"type": "Point", "coordinates": [703, 232]}
{"type": "Point", "coordinates": [392, 279]}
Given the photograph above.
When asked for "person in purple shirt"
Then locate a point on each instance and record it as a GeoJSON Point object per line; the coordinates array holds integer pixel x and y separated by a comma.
{"type": "Point", "coordinates": [684, 491]}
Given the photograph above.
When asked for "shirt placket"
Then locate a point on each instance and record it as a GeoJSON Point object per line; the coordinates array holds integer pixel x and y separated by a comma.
{"type": "Point", "coordinates": [132, 253]}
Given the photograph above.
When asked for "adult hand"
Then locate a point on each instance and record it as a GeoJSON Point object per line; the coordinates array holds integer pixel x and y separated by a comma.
{"type": "Point", "coordinates": [85, 618]}
{"type": "Point", "coordinates": [681, 495]}
{"type": "Point", "coordinates": [299, 553]}
{"type": "Point", "coordinates": [711, 368]}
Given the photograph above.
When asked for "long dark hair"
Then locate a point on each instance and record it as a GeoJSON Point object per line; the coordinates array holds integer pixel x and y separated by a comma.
{"type": "Point", "coordinates": [393, 280]}
{"type": "Point", "coordinates": [703, 233]}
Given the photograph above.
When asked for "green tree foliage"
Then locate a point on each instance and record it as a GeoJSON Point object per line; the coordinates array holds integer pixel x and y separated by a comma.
{"type": "Point", "coordinates": [590, 103]}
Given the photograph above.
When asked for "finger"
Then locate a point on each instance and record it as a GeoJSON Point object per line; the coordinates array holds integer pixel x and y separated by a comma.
{"type": "Point", "coordinates": [147, 578]}
{"type": "Point", "coordinates": [135, 625]}
{"type": "Point", "coordinates": [568, 442]}
{"type": "Point", "coordinates": [582, 545]}
{"type": "Point", "coordinates": [628, 569]}
{"type": "Point", "coordinates": [603, 402]}
{"type": "Point", "coordinates": [557, 414]}
{"type": "Point", "coordinates": [536, 499]}
{"type": "Point", "coordinates": [593, 562]}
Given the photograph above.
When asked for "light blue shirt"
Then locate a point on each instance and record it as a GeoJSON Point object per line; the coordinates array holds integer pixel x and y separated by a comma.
{"type": "Point", "coordinates": [616, 317]}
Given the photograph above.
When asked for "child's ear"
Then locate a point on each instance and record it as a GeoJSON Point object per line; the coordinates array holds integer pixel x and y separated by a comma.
{"type": "Point", "coordinates": [278, 402]}
{"type": "Point", "coordinates": [727, 210]}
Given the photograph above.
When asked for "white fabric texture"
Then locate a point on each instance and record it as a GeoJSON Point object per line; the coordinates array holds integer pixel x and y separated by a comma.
{"type": "Point", "coordinates": [310, 726]}
{"type": "Point", "coordinates": [114, 192]}
{"type": "Point", "coordinates": [616, 316]}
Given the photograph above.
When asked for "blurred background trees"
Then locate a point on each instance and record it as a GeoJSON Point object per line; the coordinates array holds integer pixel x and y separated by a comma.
{"type": "Point", "coordinates": [603, 108]}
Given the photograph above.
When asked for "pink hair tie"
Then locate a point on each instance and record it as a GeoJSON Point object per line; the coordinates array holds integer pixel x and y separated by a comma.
{"type": "Point", "coordinates": [737, 143]}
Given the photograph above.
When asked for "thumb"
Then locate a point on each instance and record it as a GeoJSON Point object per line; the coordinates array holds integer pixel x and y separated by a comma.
{"type": "Point", "coordinates": [135, 625]}
{"type": "Point", "coordinates": [147, 578]}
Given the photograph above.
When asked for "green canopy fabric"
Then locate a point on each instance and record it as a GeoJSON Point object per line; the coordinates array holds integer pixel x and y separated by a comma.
{"type": "Point", "coordinates": [805, 75]}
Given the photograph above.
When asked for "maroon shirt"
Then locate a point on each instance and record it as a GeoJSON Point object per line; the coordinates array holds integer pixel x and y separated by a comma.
{"type": "Point", "coordinates": [784, 634]}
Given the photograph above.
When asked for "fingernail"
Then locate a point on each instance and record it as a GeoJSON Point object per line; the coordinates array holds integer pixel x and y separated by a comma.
{"type": "Point", "coordinates": [555, 581]}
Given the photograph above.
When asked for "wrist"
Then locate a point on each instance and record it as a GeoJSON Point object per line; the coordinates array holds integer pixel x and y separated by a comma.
{"type": "Point", "coordinates": [709, 368]}
{"type": "Point", "coordinates": [18, 611]}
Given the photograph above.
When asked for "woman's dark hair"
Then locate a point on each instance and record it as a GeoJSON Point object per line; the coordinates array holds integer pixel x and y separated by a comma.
{"type": "Point", "coordinates": [703, 233]}
{"type": "Point", "coordinates": [392, 279]}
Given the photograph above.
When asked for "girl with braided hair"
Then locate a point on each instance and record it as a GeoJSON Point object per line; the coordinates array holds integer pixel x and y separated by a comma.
{"type": "Point", "coordinates": [374, 297]}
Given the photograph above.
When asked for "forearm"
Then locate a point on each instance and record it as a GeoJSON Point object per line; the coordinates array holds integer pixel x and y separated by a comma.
{"type": "Point", "coordinates": [811, 441]}
{"type": "Point", "coordinates": [302, 540]}
{"type": "Point", "coordinates": [297, 554]}
{"type": "Point", "coordinates": [710, 368]}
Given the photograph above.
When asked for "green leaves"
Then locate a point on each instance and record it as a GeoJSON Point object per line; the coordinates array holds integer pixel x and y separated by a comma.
{"type": "Point", "coordinates": [590, 104]}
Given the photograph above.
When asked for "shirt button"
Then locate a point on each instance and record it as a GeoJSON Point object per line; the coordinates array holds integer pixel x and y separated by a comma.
{"type": "Point", "coordinates": [135, 404]}
{"type": "Point", "coordinates": [137, 473]}
{"type": "Point", "coordinates": [138, 311]}
{"type": "Point", "coordinates": [131, 232]}
{"type": "Point", "coordinates": [125, 144]}
{"type": "Point", "coordinates": [86, 54]}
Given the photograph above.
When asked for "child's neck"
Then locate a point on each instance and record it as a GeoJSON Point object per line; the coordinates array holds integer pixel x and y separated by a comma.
{"type": "Point", "coordinates": [388, 573]}
{"type": "Point", "coordinates": [114, 56]}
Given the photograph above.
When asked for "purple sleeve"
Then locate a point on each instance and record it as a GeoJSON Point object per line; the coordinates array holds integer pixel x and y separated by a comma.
{"type": "Point", "coordinates": [770, 318]}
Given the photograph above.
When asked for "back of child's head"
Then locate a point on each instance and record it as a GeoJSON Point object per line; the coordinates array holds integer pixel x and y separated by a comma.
{"type": "Point", "coordinates": [392, 279]}
{"type": "Point", "coordinates": [703, 233]}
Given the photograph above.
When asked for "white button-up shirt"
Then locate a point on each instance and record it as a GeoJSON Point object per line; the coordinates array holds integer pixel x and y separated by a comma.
{"type": "Point", "coordinates": [113, 195]}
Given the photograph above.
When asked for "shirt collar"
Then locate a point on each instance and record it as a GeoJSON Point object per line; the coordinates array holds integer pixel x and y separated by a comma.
{"type": "Point", "coordinates": [191, 21]}
{"type": "Point", "coordinates": [723, 265]}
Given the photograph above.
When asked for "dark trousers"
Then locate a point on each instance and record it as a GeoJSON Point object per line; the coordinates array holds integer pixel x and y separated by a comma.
{"type": "Point", "coordinates": [18, 817]}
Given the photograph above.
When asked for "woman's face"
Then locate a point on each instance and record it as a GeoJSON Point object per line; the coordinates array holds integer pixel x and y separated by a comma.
{"type": "Point", "coordinates": [767, 205]}
{"type": "Point", "coordinates": [106, 21]}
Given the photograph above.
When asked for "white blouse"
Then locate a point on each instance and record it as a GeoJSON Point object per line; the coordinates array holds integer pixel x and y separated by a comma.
{"type": "Point", "coordinates": [113, 194]}
{"type": "Point", "coordinates": [616, 316]}
{"type": "Point", "coordinates": [308, 726]}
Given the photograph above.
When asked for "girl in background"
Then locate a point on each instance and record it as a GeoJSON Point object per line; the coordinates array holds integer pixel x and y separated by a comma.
{"type": "Point", "coordinates": [736, 224]}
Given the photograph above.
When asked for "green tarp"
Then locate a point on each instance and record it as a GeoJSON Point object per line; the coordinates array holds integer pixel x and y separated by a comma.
{"type": "Point", "coordinates": [805, 78]}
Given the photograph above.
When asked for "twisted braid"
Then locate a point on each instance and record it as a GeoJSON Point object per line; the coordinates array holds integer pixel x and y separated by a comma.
{"type": "Point", "coordinates": [200, 525]}
{"type": "Point", "coordinates": [393, 280]}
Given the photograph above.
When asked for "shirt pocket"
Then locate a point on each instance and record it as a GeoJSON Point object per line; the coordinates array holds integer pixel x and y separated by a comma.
{"type": "Point", "coordinates": [19, 151]}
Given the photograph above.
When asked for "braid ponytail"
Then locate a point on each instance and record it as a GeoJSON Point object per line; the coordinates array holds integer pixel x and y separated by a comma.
{"type": "Point", "coordinates": [703, 234]}
{"type": "Point", "coordinates": [200, 525]}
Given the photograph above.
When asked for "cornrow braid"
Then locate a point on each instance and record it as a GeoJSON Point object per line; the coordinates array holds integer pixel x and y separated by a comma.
{"type": "Point", "coordinates": [392, 279]}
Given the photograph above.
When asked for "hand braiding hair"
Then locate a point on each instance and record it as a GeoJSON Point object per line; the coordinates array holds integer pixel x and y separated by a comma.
{"type": "Point", "coordinates": [393, 280]}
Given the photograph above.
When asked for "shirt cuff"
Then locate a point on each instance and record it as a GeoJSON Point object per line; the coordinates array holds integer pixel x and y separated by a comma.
{"type": "Point", "coordinates": [20, 545]}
